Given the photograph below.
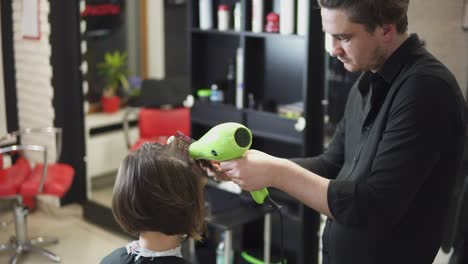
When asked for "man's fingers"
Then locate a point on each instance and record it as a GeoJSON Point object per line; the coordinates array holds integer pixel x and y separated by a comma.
{"type": "Point", "coordinates": [226, 165]}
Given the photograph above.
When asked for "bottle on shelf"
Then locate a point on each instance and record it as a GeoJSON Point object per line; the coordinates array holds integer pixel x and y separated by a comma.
{"type": "Point", "coordinates": [206, 14]}
{"type": "Point", "coordinates": [220, 252]}
{"type": "Point", "coordinates": [237, 16]}
{"type": "Point", "coordinates": [223, 17]}
{"type": "Point", "coordinates": [287, 17]}
{"type": "Point", "coordinates": [240, 78]}
{"type": "Point", "coordinates": [272, 24]}
{"type": "Point", "coordinates": [257, 16]}
{"type": "Point", "coordinates": [302, 11]}
{"type": "Point", "coordinates": [217, 95]}
{"type": "Point", "coordinates": [230, 90]}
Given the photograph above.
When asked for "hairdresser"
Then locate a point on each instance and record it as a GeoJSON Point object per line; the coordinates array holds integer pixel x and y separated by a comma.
{"type": "Point", "coordinates": [385, 181]}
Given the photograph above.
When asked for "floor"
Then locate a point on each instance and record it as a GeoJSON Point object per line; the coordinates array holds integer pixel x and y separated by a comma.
{"type": "Point", "coordinates": [80, 241]}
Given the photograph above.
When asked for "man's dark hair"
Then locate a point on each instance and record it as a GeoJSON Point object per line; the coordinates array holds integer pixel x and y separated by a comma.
{"type": "Point", "coordinates": [159, 188]}
{"type": "Point", "coordinates": [373, 13]}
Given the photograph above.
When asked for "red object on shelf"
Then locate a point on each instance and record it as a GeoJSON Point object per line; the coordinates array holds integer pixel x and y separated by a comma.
{"type": "Point", "coordinates": [223, 7]}
{"type": "Point", "coordinates": [110, 104]}
{"type": "Point", "coordinates": [272, 24]}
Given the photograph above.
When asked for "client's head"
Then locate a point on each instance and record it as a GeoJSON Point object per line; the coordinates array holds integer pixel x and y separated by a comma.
{"type": "Point", "coordinates": [160, 189]}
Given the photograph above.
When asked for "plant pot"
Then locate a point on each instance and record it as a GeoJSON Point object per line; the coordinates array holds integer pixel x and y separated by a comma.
{"type": "Point", "coordinates": [110, 104]}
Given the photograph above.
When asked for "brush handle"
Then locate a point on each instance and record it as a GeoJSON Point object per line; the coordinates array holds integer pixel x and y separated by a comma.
{"type": "Point", "coordinates": [259, 195]}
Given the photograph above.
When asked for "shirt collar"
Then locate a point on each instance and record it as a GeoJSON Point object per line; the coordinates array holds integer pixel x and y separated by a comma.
{"type": "Point", "coordinates": [134, 248]}
{"type": "Point", "coordinates": [393, 65]}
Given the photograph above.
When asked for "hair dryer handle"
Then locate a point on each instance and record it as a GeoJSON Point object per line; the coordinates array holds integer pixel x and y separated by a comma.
{"type": "Point", "coordinates": [259, 195]}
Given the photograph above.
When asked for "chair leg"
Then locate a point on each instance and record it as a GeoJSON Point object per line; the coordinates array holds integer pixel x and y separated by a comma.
{"type": "Point", "coordinates": [14, 258]}
{"type": "Point", "coordinates": [46, 253]}
{"type": "Point", "coordinates": [21, 244]}
{"type": "Point", "coordinates": [21, 229]}
{"type": "Point", "coordinates": [42, 241]}
{"type": "Point", "coordinates": [18, 251]}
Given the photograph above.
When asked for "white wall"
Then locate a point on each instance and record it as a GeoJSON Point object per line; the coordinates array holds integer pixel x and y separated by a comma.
{"type": "Point", "coordinates": [439, 23]}
{"type": "Point", "coordinates": [34, 77]}
{"type": "Point", "coordinates": [3, 121]}
{"type": "Point", "coordinates": [155, 34]}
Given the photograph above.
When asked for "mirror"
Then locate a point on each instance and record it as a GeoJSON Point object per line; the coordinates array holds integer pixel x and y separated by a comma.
{"type": "Point", "coordinates": [124, 42]}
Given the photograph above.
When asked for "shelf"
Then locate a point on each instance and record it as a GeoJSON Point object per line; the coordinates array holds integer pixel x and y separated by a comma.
{"type": "Point", "coordinates": [210, 114]}
{"type": "Point", "coordinates": [272, 126]}
{"type": "Point", "coordinates": [216, 32]}
{"type": "Point", "coordinates": [247, 34]}
{"type": "Point", "coordinates": [272, 78]}
{"type": "Point", "coordinates": [101, 119]}
{"type": "Point", "coordinates": [272, 35]}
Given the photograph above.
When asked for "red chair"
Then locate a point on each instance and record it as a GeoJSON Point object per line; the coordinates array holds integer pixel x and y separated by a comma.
{"type": "Point", "coordinates": [22, 184]}
{"type": "Point", "coordinates": [157, 125]}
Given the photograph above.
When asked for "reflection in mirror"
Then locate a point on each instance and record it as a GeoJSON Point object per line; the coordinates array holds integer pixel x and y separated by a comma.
{"type": "Point", "coordinates": [123, 43]}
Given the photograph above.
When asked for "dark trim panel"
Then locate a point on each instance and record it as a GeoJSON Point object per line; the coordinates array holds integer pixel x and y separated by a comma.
{"type": "Point", "coordinates": [68, 95]}
{"type": "Point", "coordinates": [102, 216]}
{"type": "Point", "coordinates": [9, 71]}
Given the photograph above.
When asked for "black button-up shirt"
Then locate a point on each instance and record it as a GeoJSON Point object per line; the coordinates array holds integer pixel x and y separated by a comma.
{"type": "Point", "coordinates": [392, 161]}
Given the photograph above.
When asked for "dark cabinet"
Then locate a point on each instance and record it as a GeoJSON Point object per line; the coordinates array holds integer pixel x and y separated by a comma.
{"type": "Point", "coordinates": [277, 71]}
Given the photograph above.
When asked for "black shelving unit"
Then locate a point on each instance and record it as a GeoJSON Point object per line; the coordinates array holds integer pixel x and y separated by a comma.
{"type": "Point", "coordinates": [278, 69]}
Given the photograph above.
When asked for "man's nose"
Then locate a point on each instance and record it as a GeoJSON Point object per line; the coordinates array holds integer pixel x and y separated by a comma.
{"type": "Point", "coordinates": [336, 49]}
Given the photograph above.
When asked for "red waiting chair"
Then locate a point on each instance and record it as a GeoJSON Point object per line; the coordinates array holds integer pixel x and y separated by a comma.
{"type": "Point", "coordinates": [157, 125]}
{"type": "Point", "coordinates": [22, 183]}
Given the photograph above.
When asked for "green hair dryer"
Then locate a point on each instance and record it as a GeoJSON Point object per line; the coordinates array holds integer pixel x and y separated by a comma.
{"type": "Point", "coordinates": [224, 142]}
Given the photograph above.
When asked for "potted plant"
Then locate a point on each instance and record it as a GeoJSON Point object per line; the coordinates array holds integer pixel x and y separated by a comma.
{"type": "Point", "coordinates": [114, 71]}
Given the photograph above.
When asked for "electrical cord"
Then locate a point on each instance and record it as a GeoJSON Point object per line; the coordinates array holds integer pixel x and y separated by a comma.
{"type": "Point", "coordinates": [277, 207]}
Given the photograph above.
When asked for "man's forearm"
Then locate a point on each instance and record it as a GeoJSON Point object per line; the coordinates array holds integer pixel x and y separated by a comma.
{"type": "Point", "coordinates": [309, 188]}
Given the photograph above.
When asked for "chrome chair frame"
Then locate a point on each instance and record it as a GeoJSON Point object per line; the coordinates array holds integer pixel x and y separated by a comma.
{"type": "Point", "coordinates": [20, 243]}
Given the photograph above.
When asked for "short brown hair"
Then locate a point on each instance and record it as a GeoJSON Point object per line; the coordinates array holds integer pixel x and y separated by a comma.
{"type": "Point", "coordinates": [373, 13]}
{"type": "Point", "coordinates": [159, 188]}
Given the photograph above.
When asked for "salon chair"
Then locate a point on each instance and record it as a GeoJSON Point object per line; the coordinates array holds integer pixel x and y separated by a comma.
{"type": "Point", "coordinates": [22, 183]}
{"type": "Point", "coordinates": [161, 113]}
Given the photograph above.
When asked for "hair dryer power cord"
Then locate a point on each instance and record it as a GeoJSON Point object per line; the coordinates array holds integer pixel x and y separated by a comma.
{"type": "Point", "coordinates": [277, 207]}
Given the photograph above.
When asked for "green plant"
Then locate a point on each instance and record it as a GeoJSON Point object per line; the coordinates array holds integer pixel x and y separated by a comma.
{"type": "Point", "coordinates": [114, 70]}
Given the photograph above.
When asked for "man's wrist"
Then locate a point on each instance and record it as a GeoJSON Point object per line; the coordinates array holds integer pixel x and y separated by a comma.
{"type": "Point", "coordinates": [280, 168]}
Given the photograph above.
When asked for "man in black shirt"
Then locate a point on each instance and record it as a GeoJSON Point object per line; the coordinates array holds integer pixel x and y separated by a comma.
{"type": "Point", "coordinates": [386, 178]}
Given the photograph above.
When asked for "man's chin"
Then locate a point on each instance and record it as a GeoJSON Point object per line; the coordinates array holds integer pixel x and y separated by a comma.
{"type": "Point", "coordinates": [350, 67]}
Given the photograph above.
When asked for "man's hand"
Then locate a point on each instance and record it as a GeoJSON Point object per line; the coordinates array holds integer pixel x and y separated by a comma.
{"type": "Point", "coordinates": [218, 173]}
{"type": "Point", "coordinates": [254, 171]}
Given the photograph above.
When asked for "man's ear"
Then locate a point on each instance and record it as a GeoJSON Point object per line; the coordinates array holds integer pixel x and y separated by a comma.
{"type": "Point", "coordinates": [388, 31]}
{"type": "Point", "coordinates": [388, 28]}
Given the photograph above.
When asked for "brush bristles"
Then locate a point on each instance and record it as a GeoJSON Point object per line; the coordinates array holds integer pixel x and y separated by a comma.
{"type": "Point", "coordinates": [182, 142]}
